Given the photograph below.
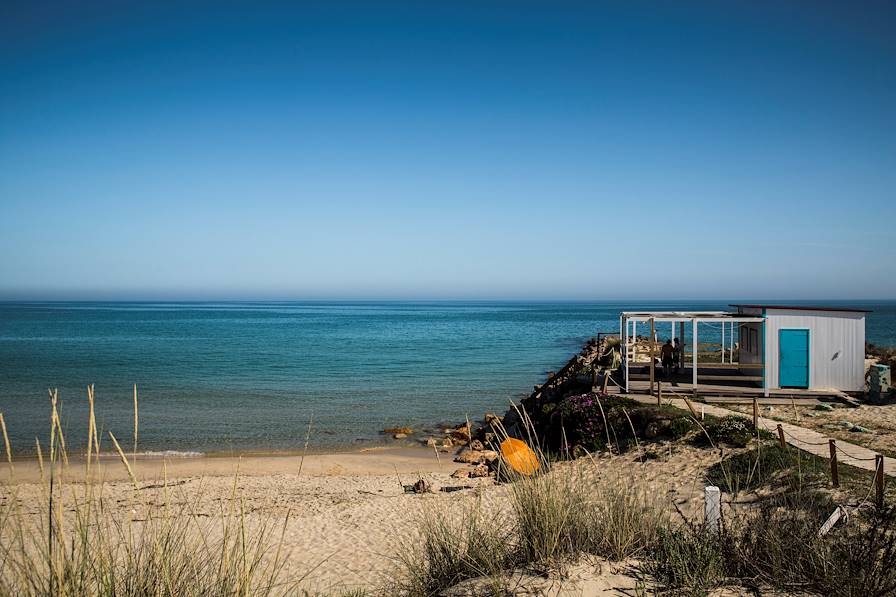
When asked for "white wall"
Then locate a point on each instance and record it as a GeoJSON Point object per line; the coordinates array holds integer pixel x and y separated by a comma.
{"type": "Point", "coordinates": [836, 347]}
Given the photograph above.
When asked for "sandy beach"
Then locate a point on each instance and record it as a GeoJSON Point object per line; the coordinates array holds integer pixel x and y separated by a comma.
{"type": "Point", "coordinates": [348, 513]}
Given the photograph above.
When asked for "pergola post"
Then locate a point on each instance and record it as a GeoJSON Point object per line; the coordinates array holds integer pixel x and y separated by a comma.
{"type": "Point", "coordinates": [652, 354]}
{"type": "Point", "coordinates": [625, 354]}
{"type": "Point", "coordinates": [694, 356]}
{"type": "Point", "coordinates": [764, 363]}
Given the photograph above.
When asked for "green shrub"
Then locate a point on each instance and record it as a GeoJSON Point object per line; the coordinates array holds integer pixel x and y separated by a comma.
{"type": "Point", "coordinates": [687, 562]}
{"type": "Point", "coordinates": [731, 430]}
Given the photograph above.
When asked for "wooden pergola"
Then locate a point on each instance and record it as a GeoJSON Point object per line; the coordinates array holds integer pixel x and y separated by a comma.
{"type": "Point", "coordinates": [628, 332]}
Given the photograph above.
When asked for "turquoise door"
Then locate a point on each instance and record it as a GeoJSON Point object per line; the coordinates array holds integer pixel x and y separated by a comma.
{"type": "Point", "coordinates": [794, 358]}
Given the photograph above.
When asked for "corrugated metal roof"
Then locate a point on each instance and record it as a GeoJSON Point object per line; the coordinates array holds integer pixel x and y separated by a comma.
{"type": "Point", "coordinates": [802, 308]}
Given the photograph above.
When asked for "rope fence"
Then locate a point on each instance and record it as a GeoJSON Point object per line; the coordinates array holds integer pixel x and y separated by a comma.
{"type": "Point", "coordinates": [877, 484]}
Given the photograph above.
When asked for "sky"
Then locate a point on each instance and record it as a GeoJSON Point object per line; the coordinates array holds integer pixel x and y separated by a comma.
{"type": "Point", "coordinates": [447, 150]}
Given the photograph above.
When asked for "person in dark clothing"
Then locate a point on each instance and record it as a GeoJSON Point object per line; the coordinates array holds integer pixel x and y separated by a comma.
{"type": "Point", "coordinates": [666, 353]}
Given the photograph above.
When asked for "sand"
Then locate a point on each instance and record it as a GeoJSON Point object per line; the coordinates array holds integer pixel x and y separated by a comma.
{"type": "Point", "coordinates": [348, 512]}
{"type": "Point", "coordinates": [879, 420]}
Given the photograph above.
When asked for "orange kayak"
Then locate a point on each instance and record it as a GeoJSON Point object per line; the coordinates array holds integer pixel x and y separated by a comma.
{"type": "Point", "coordinates": [519, 456]}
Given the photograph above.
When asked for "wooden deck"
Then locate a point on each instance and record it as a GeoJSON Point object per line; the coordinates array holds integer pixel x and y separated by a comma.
{"type": "Point", "coordinates": [729, 390]}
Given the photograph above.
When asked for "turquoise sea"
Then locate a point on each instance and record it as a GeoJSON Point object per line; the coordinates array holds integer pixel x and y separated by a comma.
{"type": "Point", "coordinates": [220, 377]}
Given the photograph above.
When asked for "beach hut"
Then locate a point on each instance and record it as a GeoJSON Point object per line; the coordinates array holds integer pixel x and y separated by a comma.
{"type": "Point", "coordinates": [806, 347]}
{"type": "Point", "coordinates": [770, 348]}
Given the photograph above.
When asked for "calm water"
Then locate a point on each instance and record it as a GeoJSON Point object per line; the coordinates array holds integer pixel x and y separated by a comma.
{"type": "Point", "coordinates": [240, 376]}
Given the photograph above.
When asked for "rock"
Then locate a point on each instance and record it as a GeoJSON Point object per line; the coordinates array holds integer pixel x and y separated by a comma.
{"type": "Point", "coordinates": [831, 426]}
{"type": "Point", "coordinates": [469, 456]}
{"type": "Point", "coordinates": [399, 436]}
{"type": "Point", "coordinates": [431, 442]}
{"type": "Point", "coordinates": [492, 418]}
{"type": "Point", "coordinates": [489, 437]}
{"type": "Point", "coordinates": [476, 445]}
{"type": "Point", "coordinates": [393, 430]}
{"type": "Point", "coordinates": [480, 470]}
{"type": "Point", "coordinates": [859, 429]}
{"type": "Point", "coordinates": [489, 456]}
{"type": "Point", "coordinates": [461, 433]}
{"type": "Point", "coordinates": [447, 442]}
{"type": "Point", "coordinates": [421, 486]}
{"type": "Point", "coordinates": [823, 406]}
{"type": "Point", "coordinates": [845, 424]}
{"type": "Point", "coordinates": [461, 473]}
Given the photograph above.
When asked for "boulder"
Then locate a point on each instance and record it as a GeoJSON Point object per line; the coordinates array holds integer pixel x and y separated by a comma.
{"type": "Point", "coordinates": [823, 406]}
{"type": "Point", "coordinates": [492, 418]}
{"type": "Point", "coordinates": [461, 473]}
{"type": "Point", "coordinates": [469, 456]}
{"type": "Point", "coordinates": [461, 433]}
{"type": "Point", "coordinates": [476, 445]}
{"type": "Point", "coordinates": [399, 436]}
{"type": "Point", "coordinates": [480, 470]}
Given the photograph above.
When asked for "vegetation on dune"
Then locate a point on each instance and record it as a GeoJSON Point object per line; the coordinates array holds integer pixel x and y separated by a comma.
{"type": "Point", "coordinates": [81, 543]}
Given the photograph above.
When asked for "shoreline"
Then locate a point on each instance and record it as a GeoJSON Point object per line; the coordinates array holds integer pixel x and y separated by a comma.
{"type": "Point", "coordinates": [403, 460]}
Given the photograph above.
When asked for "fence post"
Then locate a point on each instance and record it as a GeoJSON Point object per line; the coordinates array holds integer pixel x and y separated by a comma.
{"type": "Point", "coordinates": [711, 508]}
{"type": "Point", "coordinates": [835, 475]}
{"type": "Point", "coordinates": [781, 437]}
{"type": "Point", "coordinates": [659, 393]}
{"type": "Point", "coordinates": [755, 413]}
{"type": "Point", "coordinates": [879, 479]}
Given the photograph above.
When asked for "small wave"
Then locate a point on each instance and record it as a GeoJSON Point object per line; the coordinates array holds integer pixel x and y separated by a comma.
{"type": "Point", "coordinates": [170, 454]}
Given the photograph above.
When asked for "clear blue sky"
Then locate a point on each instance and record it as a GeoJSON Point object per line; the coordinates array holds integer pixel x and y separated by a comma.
{"type": "Point", "coordinates": [447, 150]}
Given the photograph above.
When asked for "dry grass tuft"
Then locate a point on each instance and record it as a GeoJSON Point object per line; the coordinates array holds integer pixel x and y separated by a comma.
{"type": "Point", "coordinates": [79, 543]}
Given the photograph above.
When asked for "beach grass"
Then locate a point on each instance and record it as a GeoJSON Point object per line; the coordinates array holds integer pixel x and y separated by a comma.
{"type": "Point", "coordinates": [78, 544]}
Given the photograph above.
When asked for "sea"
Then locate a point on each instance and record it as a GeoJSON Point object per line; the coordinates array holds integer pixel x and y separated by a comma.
{"type": "Point", "coordinates": [243, 377]}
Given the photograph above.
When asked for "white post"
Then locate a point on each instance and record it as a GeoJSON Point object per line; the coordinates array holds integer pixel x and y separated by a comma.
{"type": "Point", "coordinates": [731, 352]}
{"type": "Point", "coordinates": [627, 357]}
{"type": "Point", "coordinates": [634, 339]}
{"type": "Point", "coordinates": [764, 361]}
{"type": "Point", "coordinates": [711, 508]}
{"type": "Point", "coordinates": [694, 356]}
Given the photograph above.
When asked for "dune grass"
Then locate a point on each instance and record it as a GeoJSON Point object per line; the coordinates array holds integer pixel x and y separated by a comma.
{"type": "Point", "coordinates": [82, 543]}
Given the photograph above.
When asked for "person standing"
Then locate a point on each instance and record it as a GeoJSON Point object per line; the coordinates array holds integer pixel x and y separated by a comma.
{"type": "Point", "coordinates": [666, 353]}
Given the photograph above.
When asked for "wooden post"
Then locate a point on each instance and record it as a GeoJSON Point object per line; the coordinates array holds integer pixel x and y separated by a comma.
{"type": "Point", "coordinates": [879, 479]}
{"type": "Point", "coordinates": [652, 353]}
{"type": "Point", "coordinates": [781, 437]}
{"type": "Point", "coordinates": [659, 393]}
{"type": "Point", "coordinates": [755, 413]}
{"type": "Point", "coordinates": [603, 387]}
{"type": "Point", "coordinates": [835, 476]}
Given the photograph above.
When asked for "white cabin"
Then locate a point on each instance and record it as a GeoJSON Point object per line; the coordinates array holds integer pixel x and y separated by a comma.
{"type": "Point", "coordinates": [769, 348]}
{"type": "Point", "coordinates": [814, 348]}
